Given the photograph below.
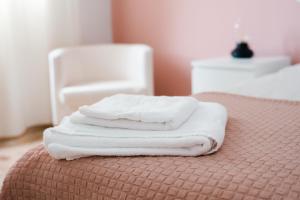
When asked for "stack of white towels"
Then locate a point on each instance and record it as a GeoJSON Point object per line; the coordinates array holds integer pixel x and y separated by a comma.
{"type": "Point", "coordinates": [129, 125]}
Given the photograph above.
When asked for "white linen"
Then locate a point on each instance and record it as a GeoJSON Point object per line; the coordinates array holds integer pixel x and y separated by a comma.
{"type": "Point", "coordinates": [120, 123]}
{"type": "Point", "coordinates": [138, 112]}
{"type": "Point", "coordinates": [203, 133]}
{"type": "Point", "coordinates": [280, 85]}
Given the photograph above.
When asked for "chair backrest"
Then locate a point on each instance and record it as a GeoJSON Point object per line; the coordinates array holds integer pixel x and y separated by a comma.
{"type": "Point", "coordinates": [103, 63]}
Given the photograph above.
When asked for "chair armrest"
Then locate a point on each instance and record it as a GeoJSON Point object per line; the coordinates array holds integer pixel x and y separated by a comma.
{"type": "Point", "coordinates": [140, 61]}
{"type": "Point", "coordinates": [56, 81]}
{"type": "Point", "coordinates": [148, 69]}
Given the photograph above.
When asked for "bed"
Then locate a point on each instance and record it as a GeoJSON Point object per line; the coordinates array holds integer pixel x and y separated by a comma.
{"type": "Point", "coordinates": [260, 159]}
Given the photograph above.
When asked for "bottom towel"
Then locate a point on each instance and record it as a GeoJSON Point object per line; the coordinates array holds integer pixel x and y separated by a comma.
{"type": "Point", "coordinates": [202, 134]}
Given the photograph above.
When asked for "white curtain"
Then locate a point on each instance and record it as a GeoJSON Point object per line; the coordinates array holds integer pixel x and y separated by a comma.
{"type": "Point", "coordinates": [29, 29]}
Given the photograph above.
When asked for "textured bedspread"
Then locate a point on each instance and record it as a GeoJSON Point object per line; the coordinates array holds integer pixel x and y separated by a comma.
{"type": "Point", "coordinates": [260, 159]}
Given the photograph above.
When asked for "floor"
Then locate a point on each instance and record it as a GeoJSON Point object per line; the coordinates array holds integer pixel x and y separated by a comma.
{"type": "Point", "coordinates": [12, 149]}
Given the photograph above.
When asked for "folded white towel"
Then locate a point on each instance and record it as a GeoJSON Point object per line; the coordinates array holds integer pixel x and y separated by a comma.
{"type": "Point", "coordinates": [202, 134]}
{"type": "Point", "coordinates": [79, 118]}
{"type": "Point", "coordinates": [138, 112]}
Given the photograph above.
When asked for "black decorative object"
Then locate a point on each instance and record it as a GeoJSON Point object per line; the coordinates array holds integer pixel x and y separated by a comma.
{"type": "Point", "coordinates": [242, 50]}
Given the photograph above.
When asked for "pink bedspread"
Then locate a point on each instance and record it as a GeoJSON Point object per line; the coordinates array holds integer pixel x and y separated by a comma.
{"type": "Point", "coordinates": [260, 159]}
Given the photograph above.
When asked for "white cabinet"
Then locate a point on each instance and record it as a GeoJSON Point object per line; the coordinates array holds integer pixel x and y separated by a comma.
{"type": "Point", "coordinates": [221, 74]}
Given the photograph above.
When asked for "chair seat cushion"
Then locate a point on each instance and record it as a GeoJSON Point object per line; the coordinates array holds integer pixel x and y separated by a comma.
{"type": "Point", "coordinates": [84, 94]}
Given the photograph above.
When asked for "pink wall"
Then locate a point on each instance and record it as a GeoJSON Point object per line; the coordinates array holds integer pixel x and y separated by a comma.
{"type": "Point", "coordinates": [182, 30]}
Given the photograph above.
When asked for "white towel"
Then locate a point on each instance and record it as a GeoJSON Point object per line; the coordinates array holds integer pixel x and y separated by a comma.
{"type": "Point", "coordinates": [138, 112]}
{"type": "Point", "coordinates": [202, 134]}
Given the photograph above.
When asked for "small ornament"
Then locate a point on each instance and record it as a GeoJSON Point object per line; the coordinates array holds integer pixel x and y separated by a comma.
{"type": "Point", "coordinates": [242, 49]}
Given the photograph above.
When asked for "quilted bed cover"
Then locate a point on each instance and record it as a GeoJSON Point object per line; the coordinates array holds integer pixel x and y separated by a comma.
{"type": "Point", "coordinates": [260, 159]}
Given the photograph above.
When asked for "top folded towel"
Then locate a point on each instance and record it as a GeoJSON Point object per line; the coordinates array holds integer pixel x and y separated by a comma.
{"type": "Point", "coordinates": [150, 112]}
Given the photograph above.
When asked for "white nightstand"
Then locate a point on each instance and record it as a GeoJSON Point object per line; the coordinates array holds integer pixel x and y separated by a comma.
{"type": "Point", "coordinates": [224, 73]}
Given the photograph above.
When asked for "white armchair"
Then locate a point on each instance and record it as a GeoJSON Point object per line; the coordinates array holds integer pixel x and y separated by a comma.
{"type": "Point", "coordinates": [86, 74]}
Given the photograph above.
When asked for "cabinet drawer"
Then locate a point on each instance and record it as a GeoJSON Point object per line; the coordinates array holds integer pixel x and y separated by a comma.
{"type": "Point", "coordinates": [204, 79]}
